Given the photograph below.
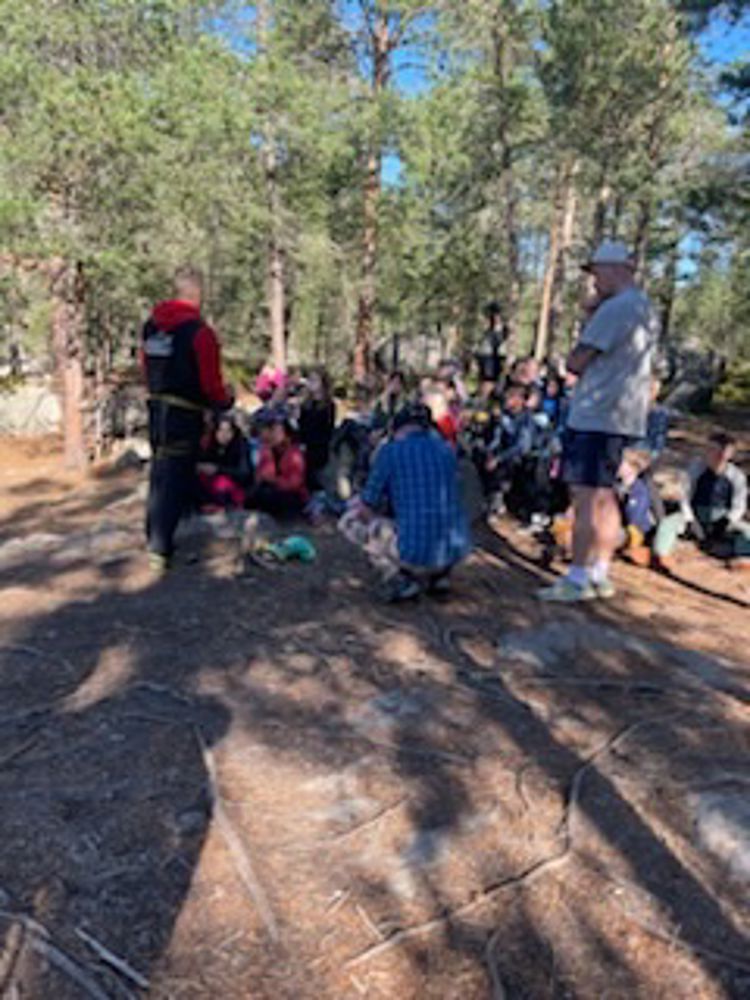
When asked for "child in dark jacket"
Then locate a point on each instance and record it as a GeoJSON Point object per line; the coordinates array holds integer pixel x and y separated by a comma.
{"type": "Point", "coordinates": [511, 446]}
{"type": "Point", "coordinates": [224, 471]}
{"type": "Point", "coordinates": [316, 424]}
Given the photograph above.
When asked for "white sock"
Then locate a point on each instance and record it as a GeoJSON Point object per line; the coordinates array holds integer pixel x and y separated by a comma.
{"type": "Point", "coordinates": [599, 572]}
{"type": "Point", "coordinates": [579, 575]}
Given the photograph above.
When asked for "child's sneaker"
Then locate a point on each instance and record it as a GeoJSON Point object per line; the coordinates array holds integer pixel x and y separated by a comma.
{"type": "Point", "coordinates": [564, 591]}
{"type": "Point", "coordinates": [158, 563]}
{"type": "Point", "coordinates": [605, 590]}
{"type": "Point", "coordinates": [639, 555]}
{"type": "Point", "coordinates": [402, 588]}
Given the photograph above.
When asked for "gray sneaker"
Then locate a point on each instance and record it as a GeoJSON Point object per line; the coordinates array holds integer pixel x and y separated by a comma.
{"type": "Point", "coordinates": [563, 591]}
{"type": "Point", "coordinates": [605, 590]}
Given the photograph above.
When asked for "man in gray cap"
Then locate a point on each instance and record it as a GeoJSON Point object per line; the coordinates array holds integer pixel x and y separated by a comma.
{"type": "Point", "coordinates": [613, 360]}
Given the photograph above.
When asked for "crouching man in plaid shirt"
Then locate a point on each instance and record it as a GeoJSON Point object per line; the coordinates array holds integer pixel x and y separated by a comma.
{"type": "Point", "coordinates": [414, 480]}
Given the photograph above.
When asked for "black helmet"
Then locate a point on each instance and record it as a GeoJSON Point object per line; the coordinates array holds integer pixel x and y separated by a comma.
{"type": "Point", "coordinates": [414, 414]}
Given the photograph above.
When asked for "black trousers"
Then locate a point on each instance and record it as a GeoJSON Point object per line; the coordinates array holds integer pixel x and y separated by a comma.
{"type": "Point", "coordinates": [271, 500]}
{"type": "Point", "coordinates": [170, 496]}
{"type": "Point", "coordinates": [175, 441]}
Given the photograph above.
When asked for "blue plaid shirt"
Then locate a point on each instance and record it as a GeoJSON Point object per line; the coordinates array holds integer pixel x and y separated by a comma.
{"type": "Point", "coordinates": [417, 476]}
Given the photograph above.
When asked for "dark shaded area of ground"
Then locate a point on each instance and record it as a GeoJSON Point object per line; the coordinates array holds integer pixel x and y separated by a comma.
{"type": "Point", "coordinates": [268, 785]}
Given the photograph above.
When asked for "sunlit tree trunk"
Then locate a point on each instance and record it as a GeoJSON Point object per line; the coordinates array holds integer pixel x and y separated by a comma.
{"type": "Point", "coordinates": [371, 202]}
{"type": "Point", "coordinates": [275, 271]}
{"type": "Point", "coordinates": [66, 289]}
{"type": "Point", "coordinates": [511, 294]}
{"type": "Point", "coordinates": [548, 282]}
{"type": "Point", "coordinates": [560, 243]}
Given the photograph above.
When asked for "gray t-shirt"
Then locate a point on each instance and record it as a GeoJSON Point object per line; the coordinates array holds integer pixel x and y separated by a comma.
{"type": "Point", "coordinates": [613, 394]}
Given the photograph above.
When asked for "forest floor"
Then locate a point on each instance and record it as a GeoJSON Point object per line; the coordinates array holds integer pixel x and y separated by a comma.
{"type": "Point", "coordinates": [269, 785]}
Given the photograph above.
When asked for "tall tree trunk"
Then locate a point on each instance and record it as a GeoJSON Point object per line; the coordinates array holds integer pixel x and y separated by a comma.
{"type": "Point", "coordinates": [601, 211]}
{"type": "Point", "coordinates": [550, 271]}
{"type": "Point", "coordinates": [275, 276]}
{"type": "Point", "coordinates": [276, 303]}
{"type": "Point", "coordinates": [368, 289]}
{"type": "Point", "coordinates": [513, 291]}
{"type": "Point", "coordinates": [570, 207]}
{"type": "Point", "coordinates": [560, 243]}
{"type": "Point", "coordinates": [642, 237]}
{"type": "Point", "coordinates": [371, 202]}
{"type": "Point", "coordinates": [503, 68]}
{"type": "Point", "coordinates": [670, 289]}
{"type": "Point", "coordinates": [66, 287]}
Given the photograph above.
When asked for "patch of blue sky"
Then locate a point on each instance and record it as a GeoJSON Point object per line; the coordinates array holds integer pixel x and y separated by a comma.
{"type": "Point", "coordinates": [392, 170]}
{"type": "Point", "coordinates": [723, 43]}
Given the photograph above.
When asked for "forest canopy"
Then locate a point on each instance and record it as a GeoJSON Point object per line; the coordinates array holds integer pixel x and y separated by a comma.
{"type": "Point", "coordinates": [344, 170]}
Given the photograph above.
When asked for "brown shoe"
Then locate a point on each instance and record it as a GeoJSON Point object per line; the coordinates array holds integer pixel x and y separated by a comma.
{"type": "Point", "coordinates": [639, 555]}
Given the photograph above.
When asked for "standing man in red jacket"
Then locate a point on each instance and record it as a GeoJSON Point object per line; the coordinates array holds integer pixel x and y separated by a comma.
{"type": "Point", "coordinates": [182, 362]}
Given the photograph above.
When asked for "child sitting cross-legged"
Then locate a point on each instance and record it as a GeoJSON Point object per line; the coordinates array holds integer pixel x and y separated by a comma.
{"type": "Point", "coordinates": [280, 488]}
{"type": "Point", "coordinates": [510, 448]}
{"type": "Point", "coordinates": [639, 504]}
{"type": "Point", "coordinates": [224, 472]}
{"type": "Point", "coordinates": [713, 508]}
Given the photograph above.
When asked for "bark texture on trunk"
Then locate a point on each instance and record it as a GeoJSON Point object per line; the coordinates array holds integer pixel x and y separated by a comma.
{"type": "Point", "coordinates": [503, 58]}
{"type": "Point", "coordinates": [368, 289]}
{"type": "Point", "coordinates": [67, 291]}
{"type": "Point", "coordinates": [670, 290]}
{"type": "Point", "coordinates": [642, 238]}
{"type": "Point", "coordinates": [550, 271]}
{"type": "Point", "coordinates": [560, 244]}
{"type": "Point", "coordinates": [275, 269]}
{"type": "Point", "coordinates": [367, 304]}
{"type": "Point", "coordinates": [570, 208]}
{"type": "Point", "coordinates": [601, 212]}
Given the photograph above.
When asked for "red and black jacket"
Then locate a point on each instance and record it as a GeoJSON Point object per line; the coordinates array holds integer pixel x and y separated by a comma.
{"type": "Point", "coordinates": [182, 358]}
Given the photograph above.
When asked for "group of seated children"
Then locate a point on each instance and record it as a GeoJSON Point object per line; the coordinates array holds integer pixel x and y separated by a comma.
{"type": "Point", "coordinates": [710, 509]}
{"type": "Point", "coordinates": [389, 465]}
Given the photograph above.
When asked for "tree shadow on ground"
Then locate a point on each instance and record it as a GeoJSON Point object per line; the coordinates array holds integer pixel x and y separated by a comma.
{"type": "Point", "coordinates": [100, 756]}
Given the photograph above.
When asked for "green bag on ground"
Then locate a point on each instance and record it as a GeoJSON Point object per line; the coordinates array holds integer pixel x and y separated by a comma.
{"type": "Point", "coordinates": [296, 547]}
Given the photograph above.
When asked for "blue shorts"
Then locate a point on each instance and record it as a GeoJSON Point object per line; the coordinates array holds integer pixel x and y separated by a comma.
{"type": "Point", "coordinates": [592, 458]}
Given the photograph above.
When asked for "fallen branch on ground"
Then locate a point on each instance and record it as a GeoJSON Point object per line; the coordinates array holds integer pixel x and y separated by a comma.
{"type": "Point", "coordinates": [40, 941]}
{"type": "Point", "coordinates": [10, 958]}
{"type": "Point", "coordinates": [235, 844]}
{"type": "Point", "coordinates": [18, 752]}
{"type": "Point", "coordinates": [117, 963]}
{"type": "Point", "coordinates": [369, 923]}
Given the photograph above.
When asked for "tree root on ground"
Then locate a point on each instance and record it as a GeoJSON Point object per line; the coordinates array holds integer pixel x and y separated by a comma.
{"type": "Point", "coordinates": [532, 872]}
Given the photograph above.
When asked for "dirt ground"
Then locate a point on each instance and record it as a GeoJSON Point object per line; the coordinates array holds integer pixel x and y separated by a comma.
{"type": "Point", "coordinates": [268, 785]}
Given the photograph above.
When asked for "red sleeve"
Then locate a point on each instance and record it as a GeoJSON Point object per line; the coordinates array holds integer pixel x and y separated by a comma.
{"type": "Point", "coordinates": [208, 353]}
{"type": "Point", "coordinates": [292, 476]}
{"type": "Point", "coordinates": [448, 428]}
